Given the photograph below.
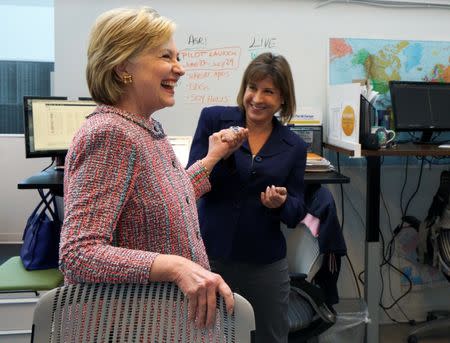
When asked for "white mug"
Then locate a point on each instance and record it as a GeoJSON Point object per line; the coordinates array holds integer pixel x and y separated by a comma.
{"type": "Point", "coordinates": [384, 136]}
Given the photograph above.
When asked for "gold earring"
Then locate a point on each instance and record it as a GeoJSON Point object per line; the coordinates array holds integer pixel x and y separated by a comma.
{"type": "Point", "coordinates": [127, 78]}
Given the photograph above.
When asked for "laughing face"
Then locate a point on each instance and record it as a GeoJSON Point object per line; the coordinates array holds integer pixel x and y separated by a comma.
{"type": "Point", "coordinates": [261, 101]}
{"type": "Point", "coordinates": [155, 73]}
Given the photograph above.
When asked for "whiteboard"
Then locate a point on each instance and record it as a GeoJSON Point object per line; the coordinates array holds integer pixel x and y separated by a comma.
{"type": "Point", "coordinates": [217, 40]}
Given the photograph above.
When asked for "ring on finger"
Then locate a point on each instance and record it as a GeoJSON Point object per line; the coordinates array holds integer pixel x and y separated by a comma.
{"type": "Point", "coordinates": [235, 129]}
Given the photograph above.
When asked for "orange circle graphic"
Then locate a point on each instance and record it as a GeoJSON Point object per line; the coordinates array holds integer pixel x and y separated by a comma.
{"type": "Point", "coordinates": [348, 120]}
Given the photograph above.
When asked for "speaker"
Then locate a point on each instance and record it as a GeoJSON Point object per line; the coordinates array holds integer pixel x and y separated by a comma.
{"type": "Point", "coordinates": [312, 135]}
{"type": "Point", "coordinates": [368, 116]}
{"type": "Point", "coordinates": [370, 142]}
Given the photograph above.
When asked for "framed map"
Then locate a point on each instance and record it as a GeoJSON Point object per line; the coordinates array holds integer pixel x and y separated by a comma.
{"type": "Point", "coordinates": [382, 60]}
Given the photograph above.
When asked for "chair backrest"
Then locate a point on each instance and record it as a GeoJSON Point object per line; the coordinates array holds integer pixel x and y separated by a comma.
{"type": "Point", "coordinates": [303, 253]}
{"type": "Point", "coordinates": [443, 251]}
{"type": "Point", "coordinates": [156, 312]}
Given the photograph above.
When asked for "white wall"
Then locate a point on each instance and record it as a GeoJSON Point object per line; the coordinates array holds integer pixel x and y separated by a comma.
{"type": "Point", "coordinates": [309, 30]}
{"type": "Point", "coordinates": [16, 205]}
{"type": "Point", "coordinates": [301, 33]}
{"type": "Point", "coordinates": [27, 35]}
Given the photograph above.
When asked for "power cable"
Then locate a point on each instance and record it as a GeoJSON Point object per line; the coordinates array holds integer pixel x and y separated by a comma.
{"type": "Point", "coordinates": [53, 160]}
{"type": "Point", "coordinates": [387, 258]}
{"type": "Point", "coordinates": [404, 185]}
{"type": "Point", "coordinates": [388, 252]}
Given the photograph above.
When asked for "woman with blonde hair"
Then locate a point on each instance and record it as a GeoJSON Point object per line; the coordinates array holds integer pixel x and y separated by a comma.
{"type": "Point", "coordinates": [130, 207]}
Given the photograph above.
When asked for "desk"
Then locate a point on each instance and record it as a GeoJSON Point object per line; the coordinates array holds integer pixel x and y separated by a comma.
{"type": "Point", "coordinates": [49, 179]}
{"type": "Point", "coordinates": [53, 180]}
{"type": "Point", "coordinates": [330, 177]}
{"type": "Point", "coordinates": [372, 284]}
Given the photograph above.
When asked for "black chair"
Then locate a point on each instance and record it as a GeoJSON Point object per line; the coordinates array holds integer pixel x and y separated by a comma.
{"type": "Point", "coordinates": [438, 322]}
{"type": "Point", "coordinates": [308, 313]}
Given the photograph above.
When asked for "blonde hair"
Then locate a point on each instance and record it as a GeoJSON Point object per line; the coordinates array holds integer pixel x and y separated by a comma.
{"type": "Point", "coordinates": [117, 36]}
{"type": "Point", "coordinates": [277, 68]}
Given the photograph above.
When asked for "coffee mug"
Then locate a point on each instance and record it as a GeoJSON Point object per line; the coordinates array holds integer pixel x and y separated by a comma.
{"type": "Point", "coordinates": [384, 136]}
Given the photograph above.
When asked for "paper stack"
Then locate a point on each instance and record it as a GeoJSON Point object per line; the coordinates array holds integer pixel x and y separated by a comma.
{"type": "Point", "coordinates": [317, 163]}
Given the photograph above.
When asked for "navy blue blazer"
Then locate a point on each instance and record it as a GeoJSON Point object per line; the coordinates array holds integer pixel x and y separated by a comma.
{"type": "Point", "coordinates": [235, 225]}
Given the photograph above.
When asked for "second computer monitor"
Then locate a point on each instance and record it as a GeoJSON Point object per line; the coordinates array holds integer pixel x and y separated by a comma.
{"type": "Point", "coordinates": [51, 123]}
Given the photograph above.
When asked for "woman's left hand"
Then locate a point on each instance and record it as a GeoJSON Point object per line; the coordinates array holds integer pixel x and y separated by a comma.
{"type": "Point", "coordinates": [274, 197]}
{"type": "Point", "coordinates": [222, 144]}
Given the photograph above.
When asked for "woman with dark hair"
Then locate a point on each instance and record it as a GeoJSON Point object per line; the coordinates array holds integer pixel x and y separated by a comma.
{"type": "Point", "coordinates": [253, 189]}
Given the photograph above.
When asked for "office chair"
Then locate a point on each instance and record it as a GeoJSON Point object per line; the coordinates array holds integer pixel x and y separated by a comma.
{"type": "Point", "coordinates": [156, 312]}
{"type": "Point", "coordinates": [434, 248]}
{"type": "Point", "coordinates": [308, 313]}
{"type": "Point", "coordinates": [438, 322]}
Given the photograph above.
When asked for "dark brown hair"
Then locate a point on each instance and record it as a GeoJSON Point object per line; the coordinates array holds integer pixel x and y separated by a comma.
{"type": "Point", "coordinates": [277, 68]}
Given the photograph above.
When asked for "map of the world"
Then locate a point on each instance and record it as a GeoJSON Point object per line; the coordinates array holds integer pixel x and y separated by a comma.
{"type": "Point", "coordinates": [381, 60]}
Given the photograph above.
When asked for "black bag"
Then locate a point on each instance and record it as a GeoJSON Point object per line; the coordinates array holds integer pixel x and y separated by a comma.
{"type": "Point", "coordinates": [40, 248]}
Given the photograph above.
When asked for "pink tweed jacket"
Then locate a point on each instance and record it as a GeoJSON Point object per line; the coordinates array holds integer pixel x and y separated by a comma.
{"type": "Point", "coordinates": [127, 199]}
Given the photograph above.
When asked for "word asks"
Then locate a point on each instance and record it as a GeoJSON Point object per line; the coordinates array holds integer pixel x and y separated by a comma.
{"type": "Point", "coordinates": [196, 41]}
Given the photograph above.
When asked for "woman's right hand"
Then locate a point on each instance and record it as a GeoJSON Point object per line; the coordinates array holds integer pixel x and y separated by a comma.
{"type": "Point", "coordinates": [199, 285]}
{"type": "Point", "coordinates": [274, 197]}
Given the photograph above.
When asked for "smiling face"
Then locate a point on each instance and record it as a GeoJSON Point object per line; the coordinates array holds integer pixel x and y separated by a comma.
{"type": "Point", "coordinates": [261, 101]}
{"type": "Point", "coordinates": [154, 73]}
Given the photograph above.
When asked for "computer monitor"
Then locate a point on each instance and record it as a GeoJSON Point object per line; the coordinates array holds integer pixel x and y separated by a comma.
{"type": "Point", "coordinates": [50, 124]}
{"type": "Point", "coordinates": [312, 135]}
{"type": "Point", "coordinates": [421, 106]}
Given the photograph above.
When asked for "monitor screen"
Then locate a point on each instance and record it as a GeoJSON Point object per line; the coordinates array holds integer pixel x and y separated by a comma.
{"type": "Point", "coordinates": [50, 124]}
{"type": "Point", "coordinates": [421, 106]}
{"type": "Point", "coordinates": [312, 135]}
